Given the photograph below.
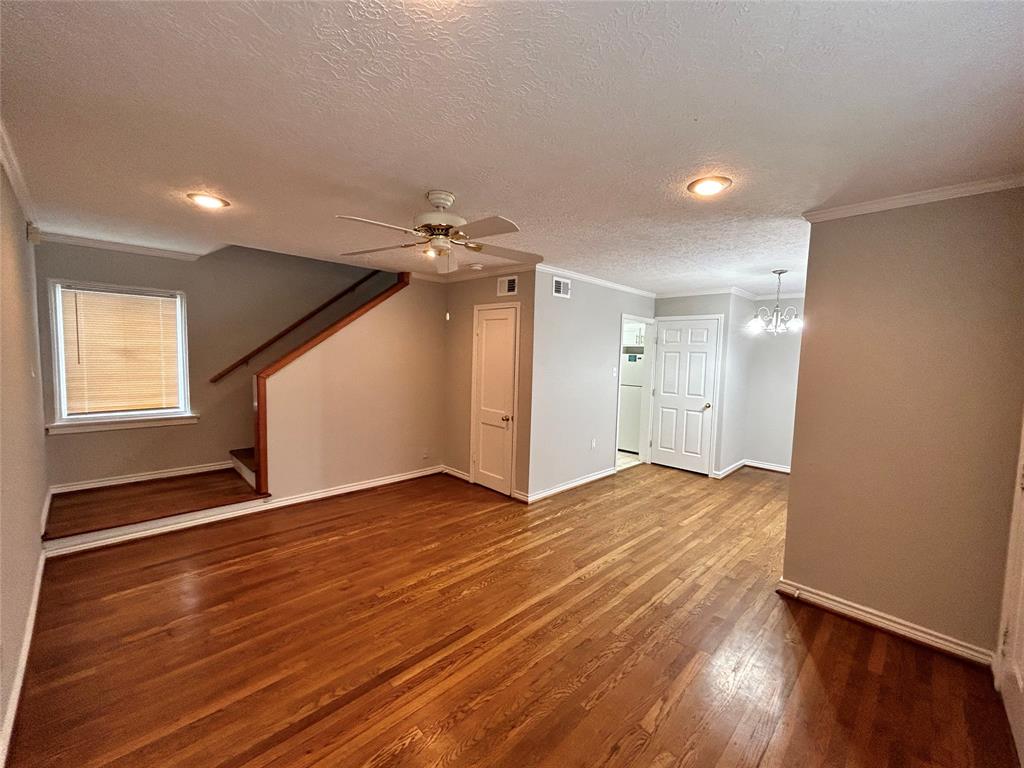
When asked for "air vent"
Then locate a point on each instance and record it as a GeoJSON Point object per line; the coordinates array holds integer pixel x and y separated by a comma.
{"type": "Point", "coordinates": [508, 286]}
{"type": "Point", "coordinates": [561, 287]}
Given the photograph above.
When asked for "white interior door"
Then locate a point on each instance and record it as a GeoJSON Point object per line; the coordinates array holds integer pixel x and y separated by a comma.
{"type": "Point", "coordinates": [686, 363]}
{"type": "Point", "coordinates": [495, 365]}
{"type": "Point", "coordinates": [1010, 656]}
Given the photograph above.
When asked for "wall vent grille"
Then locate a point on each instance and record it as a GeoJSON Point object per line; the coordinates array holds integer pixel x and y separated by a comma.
{"type": "Point", "coordinates": [508, 286]}
{"type": "Point", "coordinates": [561, 287]}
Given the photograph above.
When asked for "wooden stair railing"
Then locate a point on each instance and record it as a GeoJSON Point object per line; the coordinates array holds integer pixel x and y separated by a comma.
{"type": "Point", "coordinates": [306, 317]}
{"type": "Point", "coordinates": [262, 482]}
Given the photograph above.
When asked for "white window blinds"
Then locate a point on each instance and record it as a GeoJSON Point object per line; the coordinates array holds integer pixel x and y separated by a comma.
{"type": "Point", "coordinates": [120, 352]}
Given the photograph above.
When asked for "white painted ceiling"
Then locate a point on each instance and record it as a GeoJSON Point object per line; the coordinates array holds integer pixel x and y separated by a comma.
{"type": "Point", "coordinates": [579, 121]}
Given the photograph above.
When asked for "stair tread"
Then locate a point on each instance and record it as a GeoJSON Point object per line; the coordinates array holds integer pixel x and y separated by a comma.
{"type": "Point", "coordinates": [247, 456]}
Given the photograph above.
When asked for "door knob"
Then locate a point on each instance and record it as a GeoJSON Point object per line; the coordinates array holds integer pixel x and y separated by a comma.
{"type": "Point", "coordinates": [706, 406]}
{"type": "Point", "coordinates": [506, 418]}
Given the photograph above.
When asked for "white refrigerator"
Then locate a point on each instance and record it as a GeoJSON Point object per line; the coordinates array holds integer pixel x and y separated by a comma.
{"type": "Point", "coordinates": [631, 384]}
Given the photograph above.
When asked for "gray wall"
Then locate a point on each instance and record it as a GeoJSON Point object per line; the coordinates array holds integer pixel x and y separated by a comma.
{"type": "Point", "coordinates": [236, 299]}
{"type": "Point", "coordinates": [461, 298]}
{"type": "Point", "coordinates": [22, 456]}
{"type": "Point", "coordinates": [576, 353]}
{"type": "Point", "coordinates": [908, 411]}
{"type": "Point", "coordinates": [771, 392]}
{"type": "Point", "coordinates": [367, 403]}
{"type": "Point", "coordinates": [736, 384]}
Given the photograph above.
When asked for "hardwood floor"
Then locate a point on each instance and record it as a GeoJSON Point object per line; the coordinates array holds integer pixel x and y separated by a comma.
{"type": "Point", "coordinates": [98, 509]}
{"type": "Point", "coordinates": [629, 622]}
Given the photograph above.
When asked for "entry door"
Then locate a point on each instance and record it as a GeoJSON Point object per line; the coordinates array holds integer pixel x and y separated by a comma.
{"type": "Point", "coordinates": [495, 362]}
{"type": "Point", "coordinates": [1010, 656]}
{"type": "Point", "coordinates": [684, 396]}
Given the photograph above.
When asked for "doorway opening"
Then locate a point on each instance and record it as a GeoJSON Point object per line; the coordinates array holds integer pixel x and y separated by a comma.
{"type": "Point", "coordinates": [636, 372]}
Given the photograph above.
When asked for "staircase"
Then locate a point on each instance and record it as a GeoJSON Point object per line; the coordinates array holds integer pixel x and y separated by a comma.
{"type": "Point", "coordinates": [244, 462]}
{"type": "Point", "coordinates": [251, 462]}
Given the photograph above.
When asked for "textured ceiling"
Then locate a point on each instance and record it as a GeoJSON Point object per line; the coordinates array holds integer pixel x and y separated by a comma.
{"type": "Point", "coordinates": [579, 121]}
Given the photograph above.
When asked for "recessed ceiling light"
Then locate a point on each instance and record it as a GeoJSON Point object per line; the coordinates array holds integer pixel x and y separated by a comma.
{"type": "Point", "coordinates": [709, 185]}
{"type": "Point", "coordinates": [204, 200]}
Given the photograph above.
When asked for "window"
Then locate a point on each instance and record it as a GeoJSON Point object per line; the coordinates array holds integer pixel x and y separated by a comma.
{"type": "Point", "coordinates": [119, 355]}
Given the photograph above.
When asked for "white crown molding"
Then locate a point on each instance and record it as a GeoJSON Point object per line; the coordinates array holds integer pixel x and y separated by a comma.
{"type": "Point", "coordinates": [732, 290]}
{"type": "Point", "coordinates": [464, 275]}
{"type": "Point", "coordinates": [425, 277]}
{"type": "Point", "coordinates": [469, 274]}
{"type": "Point", "coordinates": [916, 198]}
{"type": "Point", "coordinates": [771, 296]}
{"type": "Point", "coordinates": [10, 164]}
{"type": "Point", "coordinates": [110, 245]}
{"type": "Point", "coordinates": [595, 280]}
{"type": "Point", "coordinates": [885, 621]}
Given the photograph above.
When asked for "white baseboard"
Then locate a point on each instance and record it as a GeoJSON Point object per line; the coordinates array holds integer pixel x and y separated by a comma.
{"type": "Point", "coordinates": [728, 470]}
{"type": "Point", "coordinates": [19, 673]}
{"type": "Point", "coordinates": [519, 495]}
{"type": "Point", "coordinates": [887, 622]}
{"type": "Point", "coordinates": [456, 473]}
{"type": "Point", "coordinates": [44, 517]}
{"type": "Point", "coordinates": [96, 539]}
{"type": "Point", "coordinates": [749, 463]}
{"type": "Point", "coordinates": [531, 497]}
{"type": "Point", "coordinates": [766, 465]}
{"type": "Point", "coordinates": [155, 475]}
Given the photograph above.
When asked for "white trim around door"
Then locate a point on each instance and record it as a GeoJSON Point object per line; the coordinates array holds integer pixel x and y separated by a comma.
{"type": "Point", "coordinates": [474, 447]}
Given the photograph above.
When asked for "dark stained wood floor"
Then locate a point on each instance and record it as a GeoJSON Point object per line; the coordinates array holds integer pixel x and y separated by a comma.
{"type": "Point", "coordinates": [98, 509]}
{"type": "Point", "coordinates": [629, 622]}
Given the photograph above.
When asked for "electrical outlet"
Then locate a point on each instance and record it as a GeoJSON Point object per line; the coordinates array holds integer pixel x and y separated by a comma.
{"type": "Point", "coordinates": [593, 443]}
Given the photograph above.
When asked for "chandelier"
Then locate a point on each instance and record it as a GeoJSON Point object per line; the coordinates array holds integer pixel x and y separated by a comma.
{"type": "Point", "coordinates": [776, 321]}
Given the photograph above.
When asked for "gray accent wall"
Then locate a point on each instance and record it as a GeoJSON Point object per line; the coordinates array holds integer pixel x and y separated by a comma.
{"type": "Point", "coordinates": [774, 363]}
{"type": "Point", "coordinates": [236, 298]}
{"type": "Point", "coordinates": [576, 354]}
{"type": "Point", "coordinates": [22, 455]}
{"type": "Point", "coordinates": [367, 403]}
{"type": "Point", "coordinates": [908, 414]}
{"type": "Point", "coordinates": [461, 298]}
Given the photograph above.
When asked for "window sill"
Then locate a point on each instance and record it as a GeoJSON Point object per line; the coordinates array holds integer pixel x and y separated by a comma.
{"type": "Point", "coordinates": [106, 425]}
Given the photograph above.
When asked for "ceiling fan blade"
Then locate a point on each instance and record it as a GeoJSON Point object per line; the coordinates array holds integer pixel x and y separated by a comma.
{"type": "Point", "coordinates": [381, 224]}
{"type": "Point", "coordinates": [385, 248]}
{"type": "Point", "coordinates": [505, 253]}
{"type": "Point", "coordinates": [492, 225]}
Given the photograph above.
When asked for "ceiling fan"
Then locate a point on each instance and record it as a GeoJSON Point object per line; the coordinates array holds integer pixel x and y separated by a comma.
{"type": "Point", "coordinates": [439, 230]}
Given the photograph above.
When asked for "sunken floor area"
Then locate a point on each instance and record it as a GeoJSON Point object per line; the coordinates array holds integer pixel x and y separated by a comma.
{"type": "Point", "coordinates": [98, 509]}
{"type": "Point", "coordinates": [629, 622]}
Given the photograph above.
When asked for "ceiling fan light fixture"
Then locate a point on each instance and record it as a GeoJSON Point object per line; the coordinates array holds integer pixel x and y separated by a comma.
{"type": "Point", "coordinates": [708, 186]}
{"type": "Point", "coordinates": [210, 202]}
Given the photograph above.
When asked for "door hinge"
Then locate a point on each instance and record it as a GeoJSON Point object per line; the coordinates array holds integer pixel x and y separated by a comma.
{"type": "Point", "coordinates": [650, 443]}
{"type": "Point", "coordinates": [1006, 641]}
